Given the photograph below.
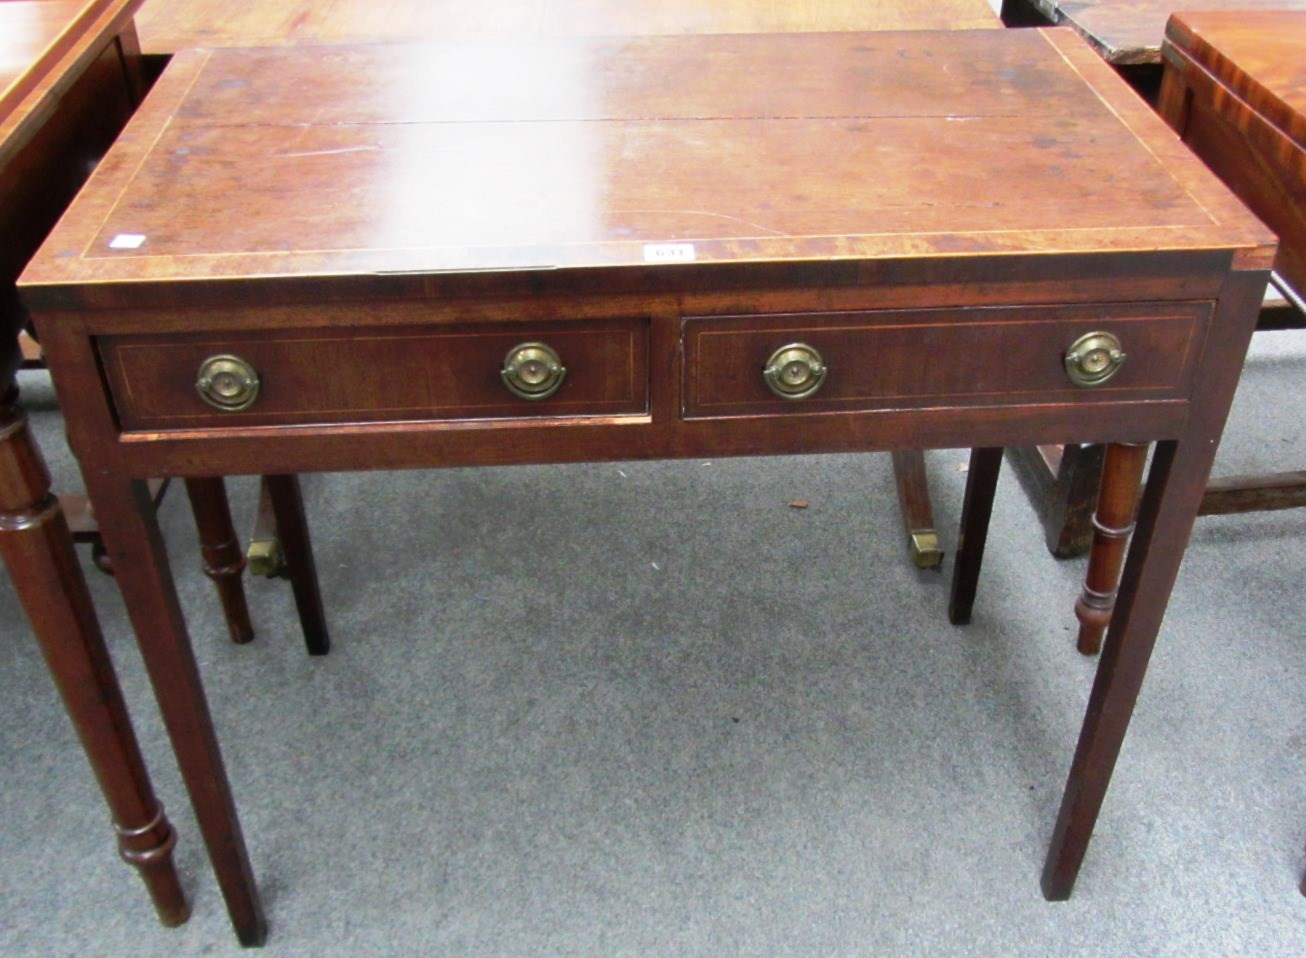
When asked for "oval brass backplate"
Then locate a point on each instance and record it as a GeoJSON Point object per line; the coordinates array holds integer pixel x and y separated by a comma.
{"type": "Point", "coordinates": [228, 383]}
{"type": "Point", "coordinates": [533, 371]}
{"type": "Point", "coordinates": [1094, 358]}
{"type": "Point", "coordinates": [795, 371]}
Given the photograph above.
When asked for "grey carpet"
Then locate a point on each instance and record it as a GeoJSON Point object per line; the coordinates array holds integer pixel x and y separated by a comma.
{"type": "Point", "coordinates": [649, 709]}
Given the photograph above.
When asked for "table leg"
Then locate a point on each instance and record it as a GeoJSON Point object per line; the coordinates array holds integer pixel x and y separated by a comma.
{"type": "Point", "coordinates": [292, 531]}
{"type": "Point", "coordinates": [1164, 521]}
{"type": "Point", "coordinates": [976, 509]}
{"type": "Point", "coordinates": [224, 562]}
{"type": "Point", "coordinates": [38, 551]}
{"type": "Point", "coordinates": [1113, 524]}
{"type": "Point", "coordinates": [131, 534]}
{"type": "Point", "coordinates": [914, 503]}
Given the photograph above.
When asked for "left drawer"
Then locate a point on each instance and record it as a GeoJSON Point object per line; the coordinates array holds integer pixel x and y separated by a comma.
{"type": "Point", "coordinates": [343, 376]}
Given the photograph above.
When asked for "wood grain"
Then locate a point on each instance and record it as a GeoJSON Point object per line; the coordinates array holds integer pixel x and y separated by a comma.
{"type": "Point", "coordinates": [575, 154]}
{"type": "Point", "coordinates": [1235, 91]}
{"type": "Point", "coordinates": [168, 26]}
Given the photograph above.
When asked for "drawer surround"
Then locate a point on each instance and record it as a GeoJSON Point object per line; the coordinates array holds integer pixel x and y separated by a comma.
{"type": "Point", "coordinates": [385, 374]}
{"type": "Point", "coordinates": [995, 356]}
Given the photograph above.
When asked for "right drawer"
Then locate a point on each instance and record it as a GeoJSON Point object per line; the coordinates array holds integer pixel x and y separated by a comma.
{"type": "Point", "coordinates": [937, 357]}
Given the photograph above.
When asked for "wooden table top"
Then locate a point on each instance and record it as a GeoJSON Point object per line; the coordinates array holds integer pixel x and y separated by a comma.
{"type": "Point", "coordinates": [543, 155]}
{"type": "Point", "coordinates": [1130, 31]}
{"type": "Point", "coordinates": [1259, 55]}
{"type": "Point", "coordinates": [27, 30]}
{"type": "Point", "coordinates": [43, 41]}
{"type": "Point", "coordinates": [169, 25]}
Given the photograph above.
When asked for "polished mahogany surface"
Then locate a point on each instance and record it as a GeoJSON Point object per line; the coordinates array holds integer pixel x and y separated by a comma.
{"type": "Point", "coordinates": [34, 34]}
{"type": "Point", "coordinates": [1130, 31]}
{"type": "Point", "coordinates": [1260, 56]}
{"type": "Point", "coordinates": [582, 153]}
{"type": "Point", "coordinates": [167, 26]}
{"type": "Point", "coordinates": [1235, 90]}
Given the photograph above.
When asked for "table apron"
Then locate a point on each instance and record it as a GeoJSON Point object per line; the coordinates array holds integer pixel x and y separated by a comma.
{"type": "Point", "coordinates": [390, 446]}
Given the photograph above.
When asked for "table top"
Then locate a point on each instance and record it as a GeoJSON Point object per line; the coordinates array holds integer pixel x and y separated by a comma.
{"type": "Point", "coordinates": [43, 44]}
{"type": "Point", "coordinates": [1259, 55]}
{"type": "Point", "coordinates": [27, 31]}
{"type": "Point", "coordinates": [45, 49]}
{"type": "Point", "coordinates": [166, 26]}
{"type": "Point", "coordinates": [543, 155]}
{"type": "Point", "coordinates": [1130, 31]}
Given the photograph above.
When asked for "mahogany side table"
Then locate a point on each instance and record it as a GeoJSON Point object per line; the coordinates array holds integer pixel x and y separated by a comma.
{"type": "Point", "coordinates": [171, 25]}
{"type": "Point", "coordinates": [333, 258]}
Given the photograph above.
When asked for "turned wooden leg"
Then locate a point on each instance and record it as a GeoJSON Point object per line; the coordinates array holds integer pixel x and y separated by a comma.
{"type": "Point", "coordinates": [914, 504]}
{"type": "Point", "coordinates": [976, 509]}
{"type": "Point", "coordinates": [292, 531]}
{"type": "Point", "coordinates": [38, 551]}
{"type": "Point", "coordinates": [224, 562]}
{"type": "Point", "coordinates": [1113, 524]}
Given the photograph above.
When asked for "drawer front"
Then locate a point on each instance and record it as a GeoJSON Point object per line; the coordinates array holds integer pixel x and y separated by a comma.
{"type": "Point", "coordinates": [328, 376]}
{"type": "Point", "coordinates": [904, 359]}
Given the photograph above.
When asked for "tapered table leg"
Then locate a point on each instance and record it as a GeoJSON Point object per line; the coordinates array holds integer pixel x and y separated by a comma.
{"type": "Point", "coordinates": [224, 562]}
{"type": "Point", "coordinates": [1175, 484]}
{"type": "Point", "coordinates": [292, 532]}
{"type": "Point", "coordinates": [914, 504]}
{"type": "Point", "coordinates": [976, 509]}
{"type": "Point", "coordinates": [131, 534]}
{"type": "Point", "coordinates": [38, 551]}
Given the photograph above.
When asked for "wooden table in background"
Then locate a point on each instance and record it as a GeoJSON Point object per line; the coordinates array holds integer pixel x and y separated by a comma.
{"type": "Point", "coordinates": [1129, 32]}
{"type": "Point", "coordinates": [66, 88]}
{"type": "Point", "coordinates": [685, 221]}
{"type": "Point", "coordinates": [167, 26]}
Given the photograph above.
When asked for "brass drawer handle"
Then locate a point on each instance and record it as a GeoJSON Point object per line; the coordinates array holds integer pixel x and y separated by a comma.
{"type": "Point", "coordinates": [795, 371]}
{"type": "Point", "coordinates": [1093, 359]}
{"type": "Point", "coordinates": [227, 383]}
{"type": "Point", "coordinates": [533, 371]}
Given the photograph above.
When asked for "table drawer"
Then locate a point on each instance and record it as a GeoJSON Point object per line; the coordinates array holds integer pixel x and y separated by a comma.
{"type": "Point", "coordinates": [923, 358]}
{"type": "Point", "coordinates": [324, 376]}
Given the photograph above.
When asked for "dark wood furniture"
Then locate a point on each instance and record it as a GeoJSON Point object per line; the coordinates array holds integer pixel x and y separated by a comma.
{"type": "Point", "coordinates": [66, 87]}
{"type": "Point", "coordinates": [171, 25]}
{"type": "Point", "coordinates": [332, 258]}
{"type": "Point", "coordinates": [1234, 89]}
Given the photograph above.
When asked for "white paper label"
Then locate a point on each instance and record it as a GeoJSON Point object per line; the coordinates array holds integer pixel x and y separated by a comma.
{"type": "Point", "coordinates": [668, 252]}
{"type": "Point", "coordinates": [127, 241]}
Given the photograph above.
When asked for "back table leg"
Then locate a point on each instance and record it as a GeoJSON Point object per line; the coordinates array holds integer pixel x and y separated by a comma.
{"type": "Point", "coordinates": [223, 560]}
{"type": "Point", "coordinates": [292, 531]}
{"type": "Point", "coordinates": [914, 503]}
{"type": "Point", "coordinates": [976, 509]}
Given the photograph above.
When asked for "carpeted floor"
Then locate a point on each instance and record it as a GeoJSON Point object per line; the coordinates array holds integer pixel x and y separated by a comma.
{"type": "Point", "coordinates": [650, 709]}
